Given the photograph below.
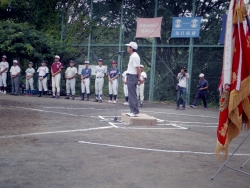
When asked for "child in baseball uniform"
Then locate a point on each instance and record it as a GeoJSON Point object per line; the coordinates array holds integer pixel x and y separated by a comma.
{"type": "Point", "coordinates": [43, 72]}
{"type": "Point", "coordinates": [30, 71]}
{"type": "Point", "coordinates": [70, 75]}
{"type": "Point", "coordinates": [100, 72]}
{"type": "Point", "coordinates": [140, 87]}
{"type": "Point", "coordinates": [4, 66]}
{"type": "Point", "coordinates": [113, 81]}
{"type": "Point", "coordinates": [85, 80]}
{"type": "Point", "coordinates": [15, 72]}
{"type": "Point", "coordinates": [56, 69]}
{"type": "Point", "coordinates": [125, 87]}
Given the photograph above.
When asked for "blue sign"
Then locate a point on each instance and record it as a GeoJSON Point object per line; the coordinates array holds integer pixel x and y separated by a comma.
{"type": "Point", "coordinates": [186, 27]}
{"type": "Point", "coordinates": [223, 29]}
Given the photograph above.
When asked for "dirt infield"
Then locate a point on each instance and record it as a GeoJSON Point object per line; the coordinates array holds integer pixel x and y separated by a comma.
{"type": "Point", "coordinates": [65, 143]}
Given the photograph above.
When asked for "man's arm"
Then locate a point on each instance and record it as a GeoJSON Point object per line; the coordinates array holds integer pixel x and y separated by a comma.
{"type": "Point", "coordinates": [178, 76]}
{"type": "Point", "coordinates": [58, 71]}
{"type": "Point", "coordinates": [138, 72]}
{"type": "Point", "coordinates": [123, 79]}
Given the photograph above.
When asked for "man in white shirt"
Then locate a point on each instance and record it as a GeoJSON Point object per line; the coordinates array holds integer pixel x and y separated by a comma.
{"type": "Point", "coordinates": [70, 75]}
{"type": "Point", "coordinates": [133, 78]}
{"type": "Point", "coordinates": [4, 66]}
{"type": "Point", "coordinates": [182, 77]}
{"type": "Point", "coordinates": [140, 87]}
{"type": "Point", "coordinates": [15, 77]}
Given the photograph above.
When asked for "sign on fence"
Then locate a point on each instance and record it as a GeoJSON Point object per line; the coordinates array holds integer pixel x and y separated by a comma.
{"type": "Point", "coordinates": [93, 67]}
{"type": "Point", "coordinates": [186, 27]}
{"type": "Point", "coordinates": [148, 27]}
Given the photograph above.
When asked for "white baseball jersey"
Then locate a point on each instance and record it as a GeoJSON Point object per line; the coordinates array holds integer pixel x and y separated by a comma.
{"type": "Point", "coordinates": [100, 71]}
{"type": "Point", "coordinates": [143, 76]}
{"type": "Point", "coordinates": [4, 65]}
{"type": "Point", "coordinates": [71, 71]}
{"type": "Point", "coordinates": [30, 71]}
{"type": "Point", "coordinates": [15, 70]}
{"type": "Point", "coordinates": [42, 70]}
{"type": "Point", "coordinates": [134, 61]}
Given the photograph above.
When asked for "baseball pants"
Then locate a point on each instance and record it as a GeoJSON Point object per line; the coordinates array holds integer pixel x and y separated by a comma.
{"type": "Point", "coordinates": [113, 87]}
{"type": "Point", "coordinates": [56, 84]}
{"type": "Point", "coordinates": [99, 86]}
{"type": "Point", "coordinates": [15, 84]}
{"type": "Point", "coordinates": [200, 94]}
{"type": "Point", "coordinates": [85, 85]}
{"type": "Point", "coordinates": [132, 81]}
{"type": "Point", "coordinates": [71, 85]}
{"type": "Point", "coordinates": [3, 79]}
{"type": "Point", "coordinates": [140, 92]}
{"type": "Point", "coordinates": [125, 89]}
{"type": "Point", "coordinates": [30, 84]}
{"type": "Point", "coordinates": [42, 84]}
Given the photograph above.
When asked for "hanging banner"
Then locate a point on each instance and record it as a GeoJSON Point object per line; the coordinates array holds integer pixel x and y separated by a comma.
{"type": "Point", "coordinates": [186, 27]}
{"type": "Point", "coordinates": [148, 27]}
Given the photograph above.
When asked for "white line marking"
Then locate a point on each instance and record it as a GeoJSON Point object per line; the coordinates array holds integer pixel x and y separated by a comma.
{"type": "Point", "coordinates": [113, 125]}
{"type": "Point", "coordinates": [178, 114]}
{"type": "Point", "coordinates": [179, 126]}
{"type": "Point", "coordinates": [70, 108]}
{"type": "Point", "coordinates": [55, 132]}
{"type": "Point", "coordinates": [157, 150]}
{"type": "Point", "coordinates": [191, 122]}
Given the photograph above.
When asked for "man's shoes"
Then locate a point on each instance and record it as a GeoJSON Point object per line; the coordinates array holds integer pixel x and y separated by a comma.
{"type": "Point", "coordinates": [182, 108]}
{"type": "Point", "coordinates": [53, 96]}
{"type": "Point", "coordinates": [12, 93]}
{"type": "Point", "coordinates": [192, 106]}
{"type": "Point", "coordinates": [109, 101]}
{"type": "Point", "coordinates": [114, 102]}
{"type": "Point", "coordinates": [67, 97]}
{"type": "Point", "coordinates": [96, 100]}
{"type": "Point", "coordinates": [73, 97]}
{"type": "Point", "coordinates": [128, 114]}
{"type": "Point", "coordinates": [205, 108]}
{"type": "Point", "coordinates": [100, 101]}
{"type": "Point", "coordinates": [39, 96]}
{"type": "Point", "coordinates": [57, 97]}
{"type": "Point", "coordinates": [177, 108]}
{"type": "Point", "coordinates": [141, 105]}
{"type": "Point", "coordinates": [133, 115]}
{"type": "Point", "coordinates": [126, 104]}
{"type": "Point", "coordinates": [15, 94]}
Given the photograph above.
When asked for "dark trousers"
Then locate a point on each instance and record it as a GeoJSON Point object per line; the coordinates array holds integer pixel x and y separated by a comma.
{"type": "Point", "coordinates": [132, 81]}
{"type": "Point", "coordinates": [200, 94]}
{"type": "Point", "coordinates": [181, 91]}
{"type": "Point", "coordinates": [15, 84]}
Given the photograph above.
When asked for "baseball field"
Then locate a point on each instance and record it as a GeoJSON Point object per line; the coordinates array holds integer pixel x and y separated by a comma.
{"type": "Point", "coordinates": [70, 144]}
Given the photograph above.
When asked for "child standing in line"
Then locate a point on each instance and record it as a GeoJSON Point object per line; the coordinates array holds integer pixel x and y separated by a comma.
{"type": "Point", "coordinates": [30, 71]}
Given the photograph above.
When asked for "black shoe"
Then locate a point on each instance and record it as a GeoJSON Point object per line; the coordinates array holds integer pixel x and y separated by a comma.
{"type": "Point", "coordinates": [12, 93]}
{"type": "Point", "coordinates": [177, 108]}
{"type": "Point", "coordinates": [57, 97]}
{"type": "Point", "coordinates": [53, 96]}
{"type": "Point", "coordinates": [73, 97]}
{"type": "Point", "coordinates": [182, 108]}
{"type": "Point", "coordinates": [96, 100]}
{"type": "Point", "coordinates": [39, 96]}
{"type": "Point", "coordinates": [67, 97]}
{"type": "Point", "coordinates": [15, 94]}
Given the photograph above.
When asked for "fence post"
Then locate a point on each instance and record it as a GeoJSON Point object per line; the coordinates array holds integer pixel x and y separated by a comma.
{"type": "Point", "coordinates": [190, 59]}
{"type": "Point", "coordinates": [90, 30]}
{"type": "Point", "coordinates": [120, 55]}
{"type": "Point", "coordinates": [153, 59]}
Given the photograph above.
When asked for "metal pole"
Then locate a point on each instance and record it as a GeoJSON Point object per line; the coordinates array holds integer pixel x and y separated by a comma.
{"type": "Point", "coordinates": [62, 29]}
{"type": "Point", "coordinates": [120, 42]}
{"type": "Point", "coordinates": [153, 59]}
{"type": "Point", "coordinates": [190, 59]}
{"type": "Point", "coordinates": [90, 30]}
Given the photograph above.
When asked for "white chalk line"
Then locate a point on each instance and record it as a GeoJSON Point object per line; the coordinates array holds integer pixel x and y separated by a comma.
{"type": "Point", "coordinates": [55, 132]}
{"type": "Point", "coordinates": [71, 108]}
{"type": "Point", "coordinates": [155, 150]}
{"type": "Point", "coordinates": [178, 114]}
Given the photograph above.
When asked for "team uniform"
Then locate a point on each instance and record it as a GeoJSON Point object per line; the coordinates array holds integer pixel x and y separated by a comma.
{"type": "Point", "coordinates": [125, 87]}
{"type": "Point", "coordinates": [71, 84]}
{"type": "Point", "coordinates": [15, 71]}
{"type": "Point", "coordinates": [30, 82]}
{"type": "Point", "coordinates": [140, 88]}
{"type": "Point", "coordinates": [4, 66]}
{"type": "Point", "coordinates": [99, 81]}
{"type": "Point", "coordinates": [85, 84]}
{"type": "Point", "coordinates": [55, 67]}
{"type": "Point", "coordinates": [113, 87]}
{"type": "Point", "coordinates": [43, 72]}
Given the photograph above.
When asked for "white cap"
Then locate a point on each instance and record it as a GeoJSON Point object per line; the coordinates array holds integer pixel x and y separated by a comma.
{"type": "Point", "coordinates": [201, 75]}
{"type": "Point", "coordinates": [133, 45]}
{"type": "Point", "coordinates": [141, 66]}
{"type": "Point", "coordinates": [57, 56]}
{"type": "Point", "coordinates": [15, 61]}
{"type": "Point", "coordinates": [86, 62]}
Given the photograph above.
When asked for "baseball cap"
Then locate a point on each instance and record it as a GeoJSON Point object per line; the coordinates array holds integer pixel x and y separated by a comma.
{"type": "Point", "coordinates": [100, 60]}
{"type": "Point", "coordinates": [114, 62]}
{"type": "Point", "coordinates": [201, 75]}
{"type": "Point", "coordinates": [4, 56]}
{"type": "Point", "coordinates": [133, 45]}
{"type": "Point", "coordinates": [184, 68]}
{"type": "Point", "coordinates": [57, 56]}
{"type": "Point", "coordinates": [15, 61]}
{"type": "Point", "coordinates": [31, 62]}
{"type": "Point", "coordinates": [71, 61]}
{"type": "Point", "coordinates": [86, 62]}
{"type": "Point", "coordinates": [44, 61]}
{"type": "Point", "coordinates": [141, 66]}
